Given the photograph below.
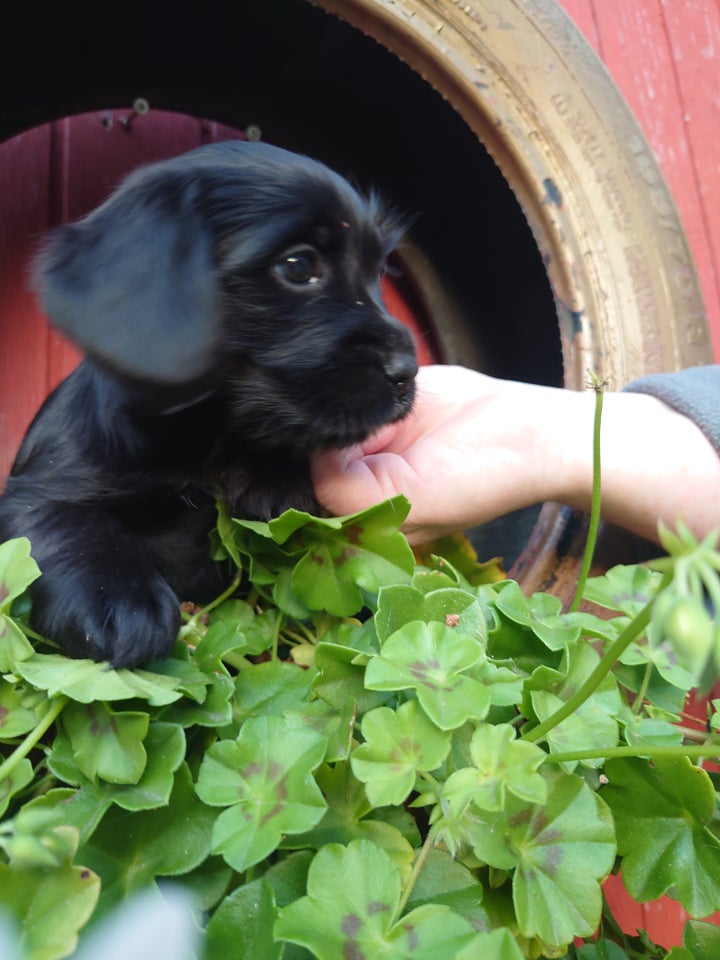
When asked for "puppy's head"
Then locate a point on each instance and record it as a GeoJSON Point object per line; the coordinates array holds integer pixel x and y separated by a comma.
{"type": "Point", "coordinates": [243, 270]}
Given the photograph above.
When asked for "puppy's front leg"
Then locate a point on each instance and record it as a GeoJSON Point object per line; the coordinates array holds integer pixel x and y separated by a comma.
{"type": "Point", "coordinates": [100, 594]}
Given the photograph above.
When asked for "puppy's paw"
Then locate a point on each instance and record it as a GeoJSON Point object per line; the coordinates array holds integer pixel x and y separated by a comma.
{"type": "Point", "coordinates": [126, 621]}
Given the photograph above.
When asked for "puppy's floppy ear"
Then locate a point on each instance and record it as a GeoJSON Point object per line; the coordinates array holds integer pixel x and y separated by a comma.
{"type": "Point", "coordinates": [134, 284]}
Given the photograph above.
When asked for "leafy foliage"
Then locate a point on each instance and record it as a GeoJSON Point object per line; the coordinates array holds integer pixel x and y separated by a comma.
{"type": "Point", "coordinates": [355, 754]}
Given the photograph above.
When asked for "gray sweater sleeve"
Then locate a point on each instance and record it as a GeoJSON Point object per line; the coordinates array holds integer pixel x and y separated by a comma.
{"type": "Point", "coordinates": [694, 392]}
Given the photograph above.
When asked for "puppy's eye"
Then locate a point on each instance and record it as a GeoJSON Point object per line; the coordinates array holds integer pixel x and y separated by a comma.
{"type": "Point", "coordinates": [301, 267]}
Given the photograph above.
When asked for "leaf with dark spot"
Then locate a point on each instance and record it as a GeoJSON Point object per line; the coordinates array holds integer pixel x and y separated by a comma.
{"type": "Point", "coordinates": [350, 907]}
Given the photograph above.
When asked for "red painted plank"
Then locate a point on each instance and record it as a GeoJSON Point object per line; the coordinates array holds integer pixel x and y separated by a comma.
{"type": "Point", "coordinates": [634, 41]}
{"type": "Point", "coordinates": [693, 29]}
{"type": "Point", "coordinates": [23, 336]}
{"type": "Point", "coordinates": [583, 15]}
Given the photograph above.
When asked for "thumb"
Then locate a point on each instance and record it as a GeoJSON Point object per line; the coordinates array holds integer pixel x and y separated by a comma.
{"type": "Point", "coordinates": [346, 481]}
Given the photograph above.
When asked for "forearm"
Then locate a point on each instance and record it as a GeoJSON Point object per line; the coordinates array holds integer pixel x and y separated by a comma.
{"type": "Point", "coordinates": [656, 465]}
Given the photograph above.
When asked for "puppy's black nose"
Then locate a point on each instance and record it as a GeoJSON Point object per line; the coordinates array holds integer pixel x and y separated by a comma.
{"type": "Point", "coordinates": [400, 370]}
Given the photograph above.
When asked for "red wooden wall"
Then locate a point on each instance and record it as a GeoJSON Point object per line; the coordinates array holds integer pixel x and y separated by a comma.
{"type": "Point", "coordinates": [665, 57]}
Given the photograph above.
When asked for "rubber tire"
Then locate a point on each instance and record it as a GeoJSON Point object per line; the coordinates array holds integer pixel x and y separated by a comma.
{"type": "Point", "coordinates": [523, 78]}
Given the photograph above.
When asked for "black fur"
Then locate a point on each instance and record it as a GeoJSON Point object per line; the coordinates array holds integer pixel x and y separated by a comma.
{"type": "Point", "coordinates": [229, 308]}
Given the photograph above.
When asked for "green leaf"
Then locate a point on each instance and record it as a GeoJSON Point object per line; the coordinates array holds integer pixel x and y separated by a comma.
{"type": "Point", "coordinates": [165, 748]}
{"type": "Point", "coordinates": [397, 745]}
{"type": "Point", "coordinates": [130, 850]}
{"type": "Point", "coordinates": [456, 553]}
{"type": "Point", "coordinates": [335, 726]}
{"type": "Point", "coordinates": [493, 945]}
{"type": "Point", "coordinates": [14, 645]}
{"type": "Point", "coordinates": [17, 571]}
{"type": "Point", "coordinates": [106, 744]}
{"type": "Point", "coordinates": [662, 815]}
{"type": "Point", "coordinates": [271, 688]}
{"type": "Point", "coordinates": [624, 588]}
{"type": "Point", "coordinates": [349, 911]}
{"type": "Point", "coordinates": [365, 554]}
{"type": "Point", "coordinates": [646, 731]}
{"type": "Point", "coordinates": [18, 710]}
{"type": "Point", "coordinates": [702, 939]}
{"type": "Point", "coordinates": [50, 906]}
{"type": "Point", "coordinates": [349, 816]}
{"type": "Point", "coordinates": [243, 925]}
{"type": "Point", "coordinates": [593, 725]}
{"type": "Point", "coordinates": [431, 659]}
{"type": "Point", "coordinates": [502, 764]}
{"type": "Point", "coordinates": [603, 950]}
{"type": "Point", "coordinates": [334, 559]}
{"type": "Point", "coordinates": [679, 953]}
{"type": "Point", "coordinates": [399, 604]}
{"type": "Point", "coordinates": [265, 779]}
{"type": "Point", "coordinates": [215, 711]}
{"type": "Point", "coordinates": [341, 678]}
{"type": "Point", "coordinates": [540, 613]}
{"type": "Point", "coordinates": [37, 840]}
{"type": "Point", "coordinates": [561, 849]}
{"type": "Point", "coordinates": [17, 780]}
{"type": "Point", "coordinates": [87, 681]}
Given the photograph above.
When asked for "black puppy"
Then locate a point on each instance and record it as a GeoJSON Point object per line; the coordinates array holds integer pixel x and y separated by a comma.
{"type": "Point", "coordinates": [228, 305]}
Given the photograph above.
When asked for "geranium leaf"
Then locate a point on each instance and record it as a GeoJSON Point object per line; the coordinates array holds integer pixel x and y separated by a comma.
{"type": "Point", "coordinates": [624, 588]}
{"type": "Point", "coordinates": [18, 711]}
{"type": "Point", "coordinates": [540, 613]}
{"type": "Point", "coordinates": [399, 604]}
{"type": "Point", "coordinates": [317, 580]}
{"type": "Point", "coordinates": [20, 777]}
{"type": "Point", "coordinates": [353, 893]}
{"type": "Point", "coordinates": [702, 939]}
{"type": "Point", "coordinates": [341, 678]}
{"type": "Point", "coordinates": [214, 711]}
{"type": "Point", "coordinates": [271, 688]}
{"type": "Point", "coordinates": [493, 945]}
{"type": "Point", "coordinates": [431, 659]}
{"type": "Point", "coordinates": [397, 745]}
{"type": "Point", "coordinates": [106, 744]}
{"type": "Point", "coordinates": [130, 850]}
{"type": "Point", "coordinates": [594, 724]}
{"type": "Point", "coordinates": [562, 850]}
{"type": "Point", "coordinates": [17, 571]}
{"type": "Point", "coordinates": [349, 817]}
{"type": "Point", "coordinates": [165, 748]}
{"type": "Point", "coordinates": [662, 815]}
{"type": "Point", "coordinates": [455, 551]}
{"type": "Point", "coordinates": [50, 906]}
{"type": "Point", "coordinates": [502, 764]}
{"type": "Point", "coordinates": [265, 780]}
{"type": "Point", "coordinates": [86, 680]}
{"type": "Point", "coordinates": [243, 925]}
{"type": "Point", "coordinates": [14, 645]}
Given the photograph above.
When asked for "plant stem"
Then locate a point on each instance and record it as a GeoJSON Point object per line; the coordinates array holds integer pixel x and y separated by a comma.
{"type": "Point", "coordinates": [660, 750]}
{"type": "Point", "coordinates": [225, 595]}
{"type": "Point", "coordinates": [24, 748]}
{"type": "Point", "coordinates": [598, 386]}
{"type": "Point", "coordinates": [632, 630]}
{"type": "Point", "coordinates": [417, 867]}
{"type": "Point", "coordinates": [640, 698]}
{"type": "Point", "coordinates": [192, 622]}
{"type": "Point", "coordinates": [276, 635]}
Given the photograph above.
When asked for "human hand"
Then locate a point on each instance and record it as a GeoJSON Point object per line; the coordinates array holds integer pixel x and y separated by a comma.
{"type": "Point", "coordinates": [473, 448]}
